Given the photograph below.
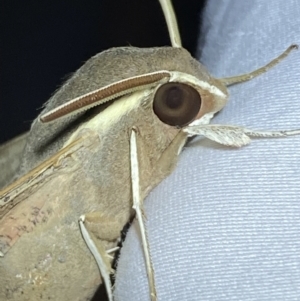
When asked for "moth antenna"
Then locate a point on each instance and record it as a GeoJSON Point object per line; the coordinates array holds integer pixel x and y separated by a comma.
{"type": "Point", "coordinates": [104, 94]}
{"type": "Point", "coordinates": [172, 24]}
{"type": "Point", "coordinates": [228, 81]}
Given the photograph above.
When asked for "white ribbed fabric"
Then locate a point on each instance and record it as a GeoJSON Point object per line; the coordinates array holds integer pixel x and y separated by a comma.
{"type": "Point", "coordinates": [226, 224]}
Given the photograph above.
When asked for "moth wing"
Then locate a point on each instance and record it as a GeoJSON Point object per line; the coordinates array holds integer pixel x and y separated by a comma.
{"type": "Point", "coordinates": [10, 158]}
{"type": "Point", "coordinates": [39, 233]}
{"type": "Point", "coordinates": [14, 193]}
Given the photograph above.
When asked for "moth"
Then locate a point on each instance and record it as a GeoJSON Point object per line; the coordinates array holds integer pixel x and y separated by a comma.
{"type": "Point", "coordinates": [110, 134]}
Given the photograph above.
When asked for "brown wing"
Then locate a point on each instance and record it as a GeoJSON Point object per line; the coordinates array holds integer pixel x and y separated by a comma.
{"type": "Point", "coordinates": [12, 194]}
{"type": "Point", "coordinates": [10, 158]}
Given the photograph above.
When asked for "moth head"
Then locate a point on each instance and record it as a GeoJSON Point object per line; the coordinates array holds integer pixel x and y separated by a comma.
{"type": "Point", "coordinates": [186, 99]}
{"type": "Point", "coordinates": [182, 89]}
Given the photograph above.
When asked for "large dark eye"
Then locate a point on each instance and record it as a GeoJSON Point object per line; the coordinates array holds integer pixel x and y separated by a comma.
{"type": "Point", "coordinates": [176, 104]}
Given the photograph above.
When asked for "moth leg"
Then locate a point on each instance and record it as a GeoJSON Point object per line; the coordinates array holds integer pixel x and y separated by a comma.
{"type": "Point", "coordinates": [113, 250]}
{"type": "Point", "coordinates": [100, 256]}
{"type": "Point", "coordinates": [231, 135]}
{"type": "Point", "coordinates": [248, 76]}
{"type": "Point", "coordinates": [138, 206]}
{"type": "Point", "coordinates": [170, 18]}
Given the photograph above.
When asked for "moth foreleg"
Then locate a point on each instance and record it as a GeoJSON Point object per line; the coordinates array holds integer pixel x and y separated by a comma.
{"type": "Point", "coordinates": [138, 206]}
{"type": "Point", "coordinates": [231, 135]}
{"type": "Point", "coordinates": [248, 76]}
{"type": "Point", "coordinates": [99, 254]}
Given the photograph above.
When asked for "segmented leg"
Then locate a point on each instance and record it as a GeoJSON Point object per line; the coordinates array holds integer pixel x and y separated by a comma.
{"type": "Point", "coordinates": [138, 206]}
{"type": "Point", "coordinates": [248, 76]}
{"type": "Point", "coordinates": [231, 135]}
{"type": "Point", "coordinates": [98, 255]}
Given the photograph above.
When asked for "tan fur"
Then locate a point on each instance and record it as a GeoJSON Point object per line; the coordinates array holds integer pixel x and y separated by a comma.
{"type": "Point", "coordinates": [44, 253]}
{"type": "Point", "coordinates": [10, 158]}
{"type": "Point", "coordinates": [104, 68]}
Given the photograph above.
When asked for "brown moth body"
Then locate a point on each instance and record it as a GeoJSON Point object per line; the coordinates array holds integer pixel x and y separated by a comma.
{"type": "Point", "coordinates": [39, 238]}
{"type": "Point", "coordinates": [104, 68]}
{"type": "Point", "coordinates": [100, 162]}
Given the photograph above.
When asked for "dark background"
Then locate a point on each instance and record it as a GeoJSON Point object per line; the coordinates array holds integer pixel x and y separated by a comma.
{"type": "Point", "coordinates": [42, 42]}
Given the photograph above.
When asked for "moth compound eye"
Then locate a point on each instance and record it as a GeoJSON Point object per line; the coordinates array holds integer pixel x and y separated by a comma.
{"type": "Point", "coordinates": [176, 104]}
